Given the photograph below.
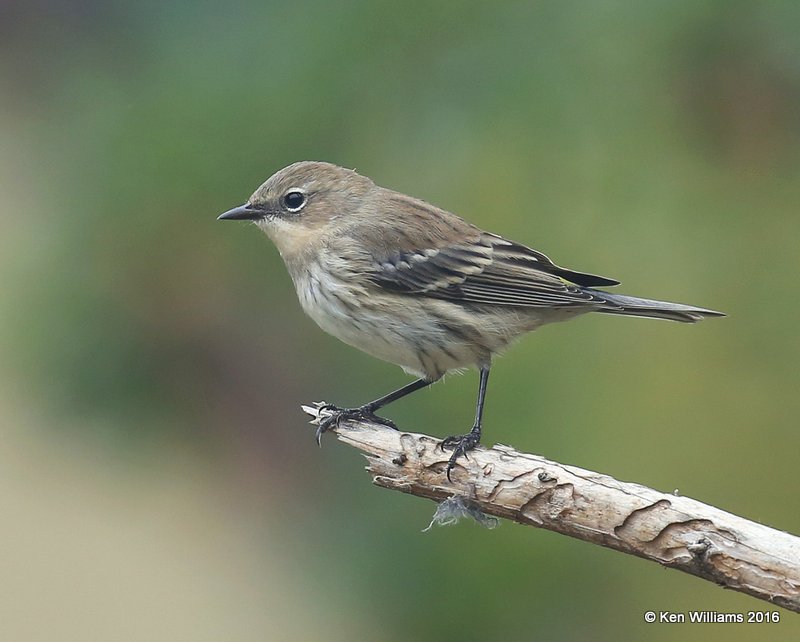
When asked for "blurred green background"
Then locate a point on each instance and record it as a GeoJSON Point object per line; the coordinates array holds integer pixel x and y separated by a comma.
{"type": "Point", "coordinates": [157, 478]}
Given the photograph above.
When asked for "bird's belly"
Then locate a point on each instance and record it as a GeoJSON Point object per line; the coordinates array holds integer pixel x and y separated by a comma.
{"type": "Point", "coordinates": [410, 341]}
{"type": "Point", "coordinates": [401, 332]}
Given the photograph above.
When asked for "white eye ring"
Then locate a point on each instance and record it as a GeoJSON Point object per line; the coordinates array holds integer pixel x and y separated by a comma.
{"type": "Point", "coordinates": [294, 199]}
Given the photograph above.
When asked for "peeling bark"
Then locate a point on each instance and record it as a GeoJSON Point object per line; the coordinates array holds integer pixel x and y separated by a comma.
{"type": "Point", "coordinates": [677, 532]}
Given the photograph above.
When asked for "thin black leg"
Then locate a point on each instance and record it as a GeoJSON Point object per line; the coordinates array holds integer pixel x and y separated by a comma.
{"type": "Point", "coordinates": [484, 382]}
{"type": "Point", "coordinates": [367, 411]}
{"type": "Point", "coordinates": [398, 394]}
{"type": "Point", "coordinates": [463, 443]}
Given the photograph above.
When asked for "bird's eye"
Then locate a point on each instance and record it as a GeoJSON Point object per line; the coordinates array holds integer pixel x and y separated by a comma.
{"type": "Point", "coordinates": [294, 200]}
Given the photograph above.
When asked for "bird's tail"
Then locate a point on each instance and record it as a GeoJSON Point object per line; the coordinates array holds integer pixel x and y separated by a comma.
{"type": "Point", "coordinates": [650, 308]}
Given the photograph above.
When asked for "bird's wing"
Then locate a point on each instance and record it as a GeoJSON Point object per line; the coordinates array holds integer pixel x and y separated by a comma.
{"type": "Point", "coordinates": [485, 269]}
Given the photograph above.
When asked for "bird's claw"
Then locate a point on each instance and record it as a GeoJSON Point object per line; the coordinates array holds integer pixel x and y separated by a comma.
{"type": "Point", "coordinates": [460, 444]}
{"type": "Point", "coordinates": [336, 414]}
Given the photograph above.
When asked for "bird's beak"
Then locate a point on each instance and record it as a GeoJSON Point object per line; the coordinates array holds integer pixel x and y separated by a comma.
{"type": "Point", "coordinates": [241, 213]}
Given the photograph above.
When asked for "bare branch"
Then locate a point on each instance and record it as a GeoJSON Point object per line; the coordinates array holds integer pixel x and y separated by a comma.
{"type": "Point", "coordinates": [677, 532]}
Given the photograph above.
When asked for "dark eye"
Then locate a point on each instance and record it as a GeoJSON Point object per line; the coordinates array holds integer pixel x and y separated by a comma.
{"type": "Point", "coordinates": [294, 200]}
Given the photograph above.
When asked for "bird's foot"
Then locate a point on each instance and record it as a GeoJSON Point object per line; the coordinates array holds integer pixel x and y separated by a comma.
{"type": "Point", "coordinates": [460, 444]}
{"type": "Point", "coordinates": [336, 414]}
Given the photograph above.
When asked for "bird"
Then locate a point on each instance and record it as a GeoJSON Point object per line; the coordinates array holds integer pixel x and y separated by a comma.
{"type": "Point", "coordinates": [418, 286]}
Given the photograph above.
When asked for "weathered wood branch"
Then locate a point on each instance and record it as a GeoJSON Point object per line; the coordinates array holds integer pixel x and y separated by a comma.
{"type": "Point", "coordinates": [677, 532]}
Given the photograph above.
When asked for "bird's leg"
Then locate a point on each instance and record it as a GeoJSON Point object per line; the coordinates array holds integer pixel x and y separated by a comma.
{"type": "Point", "coordinates": [462, 443]}
{"type": "Point", "coordinates": [367, 411]}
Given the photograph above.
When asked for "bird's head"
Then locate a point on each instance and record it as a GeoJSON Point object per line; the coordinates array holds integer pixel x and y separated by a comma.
{"type": "Point", "coordinates": [296, 204]}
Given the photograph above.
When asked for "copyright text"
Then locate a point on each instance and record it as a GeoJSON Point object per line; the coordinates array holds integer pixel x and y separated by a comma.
{"type": "Point", "coordinates": [712, 617]}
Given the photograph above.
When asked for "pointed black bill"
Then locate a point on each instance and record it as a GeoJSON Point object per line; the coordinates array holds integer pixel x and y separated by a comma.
{"type": "Point", "coordinates": [241, 213]}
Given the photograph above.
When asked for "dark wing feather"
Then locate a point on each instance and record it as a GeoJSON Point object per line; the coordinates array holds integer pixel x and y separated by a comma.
{"type": "Point", "coordinates": [486, 269]}
{"type": "Point", "coordinates": [516, 253]}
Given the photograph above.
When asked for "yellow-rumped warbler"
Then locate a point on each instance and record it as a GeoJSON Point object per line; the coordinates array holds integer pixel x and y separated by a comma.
{"type": "Point", "coordinates": [415, 285]}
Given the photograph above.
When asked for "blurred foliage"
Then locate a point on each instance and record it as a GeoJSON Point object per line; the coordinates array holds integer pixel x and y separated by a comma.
{"type": "Point", "coordinates": [655, 142]}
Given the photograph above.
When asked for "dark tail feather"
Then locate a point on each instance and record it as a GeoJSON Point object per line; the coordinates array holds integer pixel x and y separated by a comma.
{"type": "Point", "coordinates": [652, 309]}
